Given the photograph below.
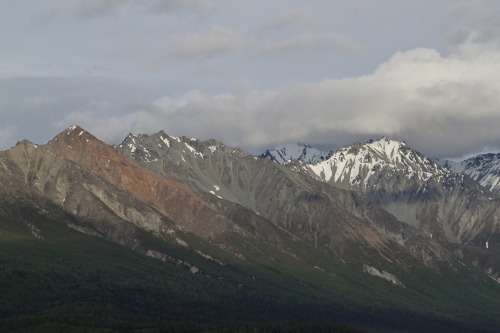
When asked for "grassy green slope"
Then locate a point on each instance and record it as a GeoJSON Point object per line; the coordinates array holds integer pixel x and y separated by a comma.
{"type": "Point", "coordinates": [71, 281]}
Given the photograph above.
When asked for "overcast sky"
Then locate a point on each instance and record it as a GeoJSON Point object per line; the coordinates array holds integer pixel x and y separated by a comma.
{"type": "Point", "coordinates": [255, 74]}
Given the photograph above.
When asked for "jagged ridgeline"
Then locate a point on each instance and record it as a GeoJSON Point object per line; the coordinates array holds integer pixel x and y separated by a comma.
{"type": "Point", "coordinates": [172, 232]}
{"type": "Point", "coordinates": [448, 207]}
{"type": "Point", "coordinates": [483, 168]}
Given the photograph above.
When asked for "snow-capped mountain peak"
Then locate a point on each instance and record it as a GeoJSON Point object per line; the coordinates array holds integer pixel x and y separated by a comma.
{"type": "Point", "coordinates": [299, 151]}
{"type": "Point", "coordinates": [386, 148]}
{"type": "Point", "coordinates": [409, 185]}
{"type": "Point", "coordinates": [354, 165]}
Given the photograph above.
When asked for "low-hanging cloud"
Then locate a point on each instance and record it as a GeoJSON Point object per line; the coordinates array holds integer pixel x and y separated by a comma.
{"type": "Point", "coordinates": [442, 105]}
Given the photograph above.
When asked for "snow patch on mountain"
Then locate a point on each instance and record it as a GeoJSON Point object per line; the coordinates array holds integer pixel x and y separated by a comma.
{"type": "Point", "coordinates": [191, 149]}
{"type": "Point", "coordinates": [165, 141]}
{"type": "Point", "coordinates": [70, 129]}
{"type": "Point", "coordinates": [357, 163]}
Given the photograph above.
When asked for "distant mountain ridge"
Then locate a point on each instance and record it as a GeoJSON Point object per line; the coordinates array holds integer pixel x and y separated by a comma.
{"type": "Point", "coordinates": [448, 207]}
{"type": "Point", "coordinates": [483, 168]}
{"type": "Point", "coordinates": [300, 151]}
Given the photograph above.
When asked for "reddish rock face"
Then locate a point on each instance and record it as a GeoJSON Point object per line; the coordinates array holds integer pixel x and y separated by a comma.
{"type": "Point", "coordinates": [173, 199]}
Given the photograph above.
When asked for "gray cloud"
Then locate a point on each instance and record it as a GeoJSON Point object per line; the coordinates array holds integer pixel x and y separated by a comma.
{"type": "Point", "coordinates": [54, 12]}
{"type": "Point", "coordinates": [217, 40]}
{"type": "Point", "coordinates": [289, 17]}
{"type": "Point", "coordinates": [35, 106]}
{"type": "Point", "coordinates": [89, 9]}
{"type": "Point", "coordinates": [308, 83]}
{"type": "Point", "coordinates": [313, 42]}
{"type": "Point", "coordinates": [97, 8]}
{"type": "Point", "coordinates": [443, 106]}
{"type": "Point", "coordinates": [195, 6]}
{"type": "Point", "coordinates": [473, 22]}
{"type": "Point", "coordinates": [465, 9]}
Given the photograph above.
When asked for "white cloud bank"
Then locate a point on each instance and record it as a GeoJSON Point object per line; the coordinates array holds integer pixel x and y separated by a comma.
{"type": "Point", "coordinates": [441, 105]}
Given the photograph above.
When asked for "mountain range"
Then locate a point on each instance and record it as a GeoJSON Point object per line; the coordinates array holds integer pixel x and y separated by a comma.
{"type": "Point", "coordinates": [483, 168]}
{"type": "Point", "coordinates": [162, 230]}
{"type": "Point", "coordinates": [446, 206]}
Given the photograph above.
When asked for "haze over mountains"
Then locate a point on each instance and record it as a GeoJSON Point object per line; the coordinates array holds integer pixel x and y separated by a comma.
{"type": "Point", "coordinates": [372, 226]}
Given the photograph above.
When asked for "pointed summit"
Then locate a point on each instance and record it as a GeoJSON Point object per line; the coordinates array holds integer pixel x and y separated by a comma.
{"type": "Point", "coordinates": [354, 165]}
{"type": "Point", "coordinates": [73, 130]}
{"type": "Point", "coordinates": [387, 148]}
{"type": "Point", "coordinates": [383, 141]}
{"type": "Point", "coordinates": [80, 146]}
{"type": "Point", "coordinates": [73, 136]}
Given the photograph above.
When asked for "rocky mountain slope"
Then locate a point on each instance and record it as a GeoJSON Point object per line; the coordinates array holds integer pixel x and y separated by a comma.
{"type": "Point", "coordinates": [448, 207]}
{"type": "Point", "coordinates": [483, 168]}
{"type": "Point", "coordinates": [299, 151]}
{"type": "Point", "coordinates": [169, 197]}
{"type": "Point", "coordinates": [324, 216]}
{"type": "Point", "coordinates": [220, 214]}
{"type": "Point", "coordinates": [111, 197]}
{"type": "Point", "coordinates": [227, 199]}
